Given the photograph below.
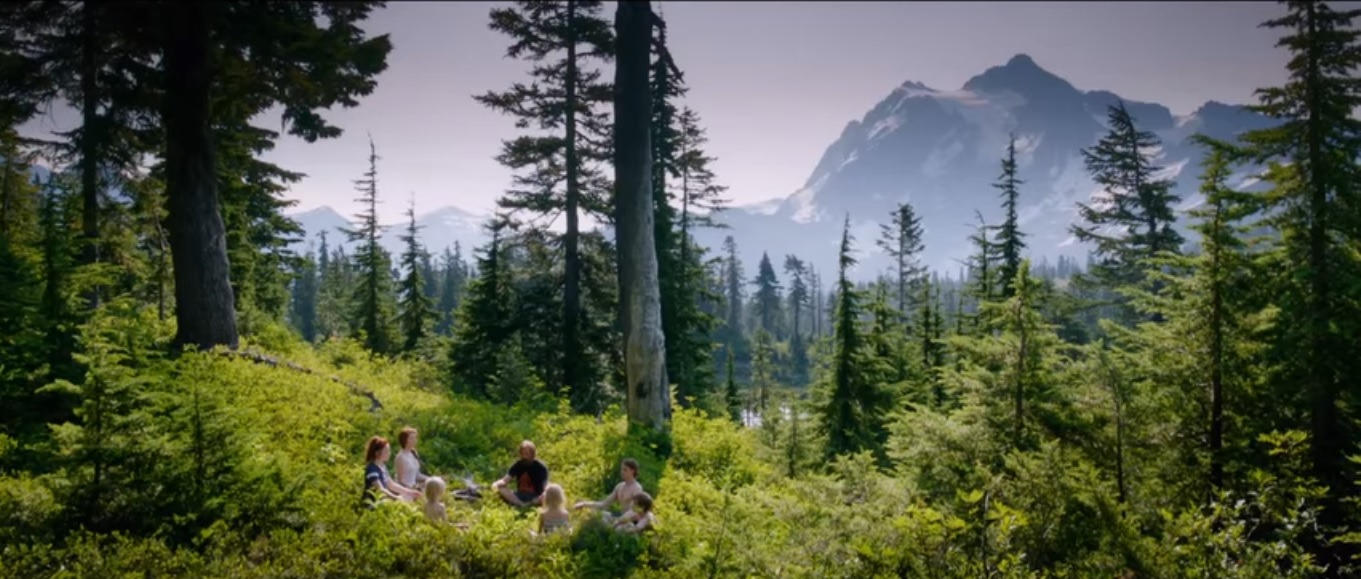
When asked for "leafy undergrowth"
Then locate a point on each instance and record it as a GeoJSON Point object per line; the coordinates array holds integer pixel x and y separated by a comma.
{"type": "Point", "coordinates": [210, 466]}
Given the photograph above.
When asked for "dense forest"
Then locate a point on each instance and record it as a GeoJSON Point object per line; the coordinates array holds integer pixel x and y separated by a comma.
{"type": "Point", "coordinates": [183, 395]}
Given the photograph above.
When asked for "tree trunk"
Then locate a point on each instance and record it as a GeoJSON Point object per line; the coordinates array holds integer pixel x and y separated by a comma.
{"type": "Point", "coordinates": [571, 287]}
{"type": "Point", "coordinates": [91, 137]}
{"type": "Point", "coordinates": [649, 402]}
{"type": "Point", "coordinates": [1216, 362]}
{"type": "Point", "coordinates": [204, 306]}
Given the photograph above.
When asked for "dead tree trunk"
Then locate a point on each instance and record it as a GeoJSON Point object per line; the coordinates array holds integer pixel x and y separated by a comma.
{"type": "Point", "coordinates": [205, 309]}
{"type": "Point", "coordinates": [649, 399]}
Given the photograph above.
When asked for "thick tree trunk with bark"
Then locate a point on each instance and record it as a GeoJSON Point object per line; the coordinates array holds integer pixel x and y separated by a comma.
{"type": "Point", "coordinates": [91, 138]}
{"type": "Point", "coordinates": [571, 240]}
{"type": "Point", "coordinates": [205, 308]}
{"type": "Point", "coordinates": [649, 399]}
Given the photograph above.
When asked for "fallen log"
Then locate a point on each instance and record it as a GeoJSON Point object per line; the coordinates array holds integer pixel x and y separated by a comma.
{"type": "Point", "coordinates": [261, 358]}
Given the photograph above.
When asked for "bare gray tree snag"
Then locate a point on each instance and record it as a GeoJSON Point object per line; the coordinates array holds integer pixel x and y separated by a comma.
{"type": "Point", "coordinates": [649, 398]}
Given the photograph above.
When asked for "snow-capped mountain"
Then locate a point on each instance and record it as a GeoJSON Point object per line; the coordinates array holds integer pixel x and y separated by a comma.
{"type": "Point", "coordinates": [439, 229]}
{"type": "Point", "coordinates": [941, 151]}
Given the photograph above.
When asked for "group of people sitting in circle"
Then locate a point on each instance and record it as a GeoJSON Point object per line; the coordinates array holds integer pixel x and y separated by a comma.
{"type": "Point", "coordinates": [525, 485]}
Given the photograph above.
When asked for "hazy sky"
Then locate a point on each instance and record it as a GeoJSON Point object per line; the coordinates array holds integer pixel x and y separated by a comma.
{"type": "Point", "coordinates": [774, 82]}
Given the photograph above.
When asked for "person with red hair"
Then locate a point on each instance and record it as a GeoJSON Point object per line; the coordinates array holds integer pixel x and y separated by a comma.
{"type": "Point", "coordinates": [377, 483]}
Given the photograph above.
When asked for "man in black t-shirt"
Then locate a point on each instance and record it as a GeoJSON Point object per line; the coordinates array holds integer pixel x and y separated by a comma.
{"type": "Point", "coordinates": [530, 477]}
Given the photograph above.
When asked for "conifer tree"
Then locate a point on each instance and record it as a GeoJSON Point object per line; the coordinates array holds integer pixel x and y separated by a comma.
{"type": "Point", "coordinates": [59, 256]}
{"type": "Point", "coordinates": [766, 299]}
{"type": "Point", "coordinates": [485, 321]}
{"type": "Point", "coordinates": [1028, 343]}
{"type": "Point", "coordinates": [305, 298]}
{"type": "Point", "coordinates": [799, 303]}
{"type": "Point", "coordinates": [855, 405]}
{"type": "Point", "coordinates": [1211, 344]}
{"type": "Point", "coordinates": [901, 240]}
{"type": "Point", "coordinates": [1316, 208]}
{"type": "Point", "coordinates": [286, 75]}
{"type": "Point", "coordinates": [762, 371]}
{"type": "Point", "coordinates": [372, 313]}
{"type": "Point", "coordinates": [556, 171]}
{"type": "Point", "coordinates": [732, 273]}
{"type": "Point", "coordinates": [730, 392]}
{"type": "Point", "coordinates": [1009, 241]}
{"type": "Point", "coordinates": [455, 273]}
{"type": "Point", "coordinates": [929, 328]}
{"type": "Point", "coordinates": [1133, 222]}
{"type": "Point", "coordinates": [333, 307]}
{"type": "Point", "coordinates": [415, 313]}
{"type": "Point", "coordinates": [982, 269]}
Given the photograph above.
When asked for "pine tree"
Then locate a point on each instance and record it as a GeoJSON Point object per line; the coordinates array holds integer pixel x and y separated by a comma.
{"type": "Point", "coordinates": [553, 173]}
{"type": "Point", "coordinates": [1316, 209]}
{"type": "Point", "coordinates": [372, 313]}
{"type": "Point", "coordinates": [1133, 223]}
{"type": "Point", "coordinates": [799, 303]}
{"type": "Point", "coordinates": [59, 255]}
{"type": "Point", "coordinates": [855, 405]}
{"type": "Point", "coordinates": [1210, 346]}
{"type": "Point", "coordinates": [901, 240]}
{"type": "Point", "coordinates": [414, 306]}
{"type": "Point", "coordinates": [766, 300]}
{"type": "Point", "coordinates": [731, 394]}
{"type": "Point", "coordinates": [305, 298]}
{"type": "Point", "coordinates": [338, 52]}
{"type": "Point", "coordinates": [455, 273]}
{"type": "Point", "coordinates": [732, 273]}
{"type": "Point", "coordinates": [1009, 241]}
{"type": "Point", "coordinates": [928, 330]}
{"type": "Point", "coordinates": [982, 269]}
{"type": "Point", "coordinates": [485, 321]}
{"type": "Point", "coordinates": [762, 371]}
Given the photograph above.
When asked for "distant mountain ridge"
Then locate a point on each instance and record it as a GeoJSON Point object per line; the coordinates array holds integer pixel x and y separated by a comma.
{"type": "Point", "coordinates": [439, 229]}
{"type": "Point", "coordinates": [939, 150]}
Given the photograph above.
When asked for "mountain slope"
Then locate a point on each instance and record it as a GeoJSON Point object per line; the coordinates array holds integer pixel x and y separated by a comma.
{"type": "Point", "coordinates": [941, 151]}
{"type": "Point", "coordinates": [440, 229]}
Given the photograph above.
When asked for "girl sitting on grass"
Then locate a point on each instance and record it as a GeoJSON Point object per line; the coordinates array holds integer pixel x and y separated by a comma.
{"type": "Point", "coordinates": [434, 492]}
{"type": "Point", "coordinates": [554, 516]}
{"type": "Point", "coordinates": [640, 518]}
{"type": "Point", "coordinates": [377, 483]}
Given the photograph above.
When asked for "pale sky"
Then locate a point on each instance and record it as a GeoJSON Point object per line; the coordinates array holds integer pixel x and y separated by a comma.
{"type": "Point", "coordinates": [774, 82]}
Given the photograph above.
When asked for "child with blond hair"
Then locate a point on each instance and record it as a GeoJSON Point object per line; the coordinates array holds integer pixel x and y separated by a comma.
{"type": "Point", "coordinates": [434, 492]}
{"type": "Point", "coordinates": [554, 516]}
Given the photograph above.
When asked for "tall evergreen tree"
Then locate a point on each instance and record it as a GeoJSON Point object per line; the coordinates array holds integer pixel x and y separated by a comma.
{"type": "Point", "coordinates": [901, 240]}
{"type": "Point", "coordinates": [855, 405]}
{"type": "Point", "coordinates": [1133, 222]}
{"type": "Point", "coordinates": [485, 321]}
{"type": "Point", "coordinates": [372, 313]}
{"type": "Point", "coordinates": [766, 299]}
{"type": "Point", "coordinates": [982, 270]}
{"type": "Point", "coordinates": [1316, 208]}
{"type": "Point", "coordinates": [455, 274]}
{"type": "Point", "coordinates": [305, 298]}
{"type": "Point", "coordinates": [762, 371]}
{"type": "Point", "coordinates": [1009, 241]}
{"type": "Point", "coordinates": [415, 306]}
{"type": "Point", "coordinates": [799, 302]}
{"type": "Point", "coordinates": [731, 394]}
{"type": "Point", "coordinates": [553, 174]}
{"type": "Point", "coordinates": [732, 273]}
{"type": "Point", "coordinates": [338, 52]}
